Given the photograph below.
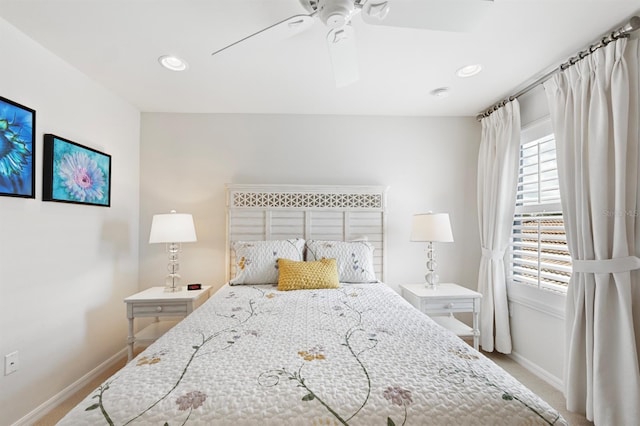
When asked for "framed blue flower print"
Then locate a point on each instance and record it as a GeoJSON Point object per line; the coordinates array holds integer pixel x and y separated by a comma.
{"type": "Point", "coordinates": [17, 149]}
{"type": "Point", "coordinates": [73, 173]}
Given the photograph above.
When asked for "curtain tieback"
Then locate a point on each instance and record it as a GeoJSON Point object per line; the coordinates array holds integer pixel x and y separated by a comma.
{"type": "Point", "coordinates": [493, 254]}
{"type": "Point", "coordinates": [606, 266]}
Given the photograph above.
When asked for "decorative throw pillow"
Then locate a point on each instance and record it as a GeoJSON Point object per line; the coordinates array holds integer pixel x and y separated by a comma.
{"type": "Point", "coordinates": [354, 258]}
{"type": "Point", "coordinates": [307, 275]}
{"type": "Point", "coordinates": [257, 261]}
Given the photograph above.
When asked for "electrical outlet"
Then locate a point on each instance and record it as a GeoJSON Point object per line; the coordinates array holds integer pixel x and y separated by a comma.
{"type": "Point", "coordinates": [11, 363]}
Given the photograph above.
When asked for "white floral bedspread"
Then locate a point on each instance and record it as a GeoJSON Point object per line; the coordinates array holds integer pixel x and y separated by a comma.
{"type": "Point", "coordinates": [358, 355]}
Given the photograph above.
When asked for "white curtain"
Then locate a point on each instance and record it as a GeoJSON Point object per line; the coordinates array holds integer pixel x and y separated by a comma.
{"type": "Point", "coordinates": [594, 110]}
{"type": "Point", "coordinates": [497, 184]}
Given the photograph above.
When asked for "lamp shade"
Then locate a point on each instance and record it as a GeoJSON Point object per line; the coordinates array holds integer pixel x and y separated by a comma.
{"type": "Point", "coordinates": [431, 227]}
{"type": "Point", "coordinates": [172, 228]}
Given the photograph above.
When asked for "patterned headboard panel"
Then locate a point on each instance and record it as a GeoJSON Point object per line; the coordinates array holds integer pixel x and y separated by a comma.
{"type": "Point", "coordinates": [319, 212]}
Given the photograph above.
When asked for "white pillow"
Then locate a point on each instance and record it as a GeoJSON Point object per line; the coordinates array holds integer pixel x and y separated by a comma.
{"type": "Point", "coordinates": [354, 258]}
{"type": "Point", "coordinates": [257, 261]}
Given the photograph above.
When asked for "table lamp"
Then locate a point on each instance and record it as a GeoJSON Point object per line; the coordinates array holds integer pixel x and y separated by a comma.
{"type": "Point", "coordinates": [172, 229]}
{"type": "Point", "coordinates": [432, 228]}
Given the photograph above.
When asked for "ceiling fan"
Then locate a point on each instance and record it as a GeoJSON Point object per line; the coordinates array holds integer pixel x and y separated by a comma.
{"type": "Point", "coordinates": [439, 15]}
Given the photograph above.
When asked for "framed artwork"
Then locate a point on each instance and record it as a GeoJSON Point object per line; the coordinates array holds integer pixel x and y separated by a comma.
{"type": "Point", "coordinates": [17, 149]}
{"type": "Point", "coordinates": [73, 173]}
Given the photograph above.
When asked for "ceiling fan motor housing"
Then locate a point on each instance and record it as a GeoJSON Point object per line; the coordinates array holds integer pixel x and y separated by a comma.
{"type": "Point", "coordinates": [335, 13]}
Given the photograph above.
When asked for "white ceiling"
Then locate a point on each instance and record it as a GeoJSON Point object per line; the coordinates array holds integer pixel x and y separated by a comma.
{"type": "Point", "coordinates": [117, 43]}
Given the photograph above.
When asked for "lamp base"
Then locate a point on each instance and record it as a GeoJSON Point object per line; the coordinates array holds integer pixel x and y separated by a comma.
{"type": "Point", "coordinates": [172, 283]}
{"type": "Point", "coordinates": [432, 278]}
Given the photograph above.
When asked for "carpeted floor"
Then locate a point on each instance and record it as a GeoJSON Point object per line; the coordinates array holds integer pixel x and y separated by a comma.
{"type": "Point", "coordinates": [551, 395]}
{"type": "Point", "coordinates": [547, 392]}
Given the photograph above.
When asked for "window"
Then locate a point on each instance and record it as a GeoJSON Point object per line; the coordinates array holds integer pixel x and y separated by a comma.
{"type": "Point", "coordinates": [539, 255]}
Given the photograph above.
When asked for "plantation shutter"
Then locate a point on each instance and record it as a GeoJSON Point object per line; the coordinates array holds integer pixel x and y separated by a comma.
{"type": "Point", "coordinates": [539, 253]}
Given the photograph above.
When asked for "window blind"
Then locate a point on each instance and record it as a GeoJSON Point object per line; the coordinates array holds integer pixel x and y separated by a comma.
{"type": "Point", "coordinates": [539, 254]}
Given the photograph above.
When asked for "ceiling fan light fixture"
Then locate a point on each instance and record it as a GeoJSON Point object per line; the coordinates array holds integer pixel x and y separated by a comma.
{"type": "Point", "coordinates": [335, 13]}
{"type": "Point", "coordinates": [173, 63]}
{"type": "Point", "coordinates": [469, 70]}
{"type": "Point", "coordinates": [336, 20]}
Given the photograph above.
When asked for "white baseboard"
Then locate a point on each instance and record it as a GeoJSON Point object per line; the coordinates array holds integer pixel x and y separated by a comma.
{"type": "Point", "coordinates": [543, 374]}
{"type": "Point", "coordinates": [61, 396]}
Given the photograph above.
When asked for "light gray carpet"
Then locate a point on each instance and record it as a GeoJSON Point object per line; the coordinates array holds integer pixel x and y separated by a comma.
{"type": "Point", "coordinates": [551, 395]}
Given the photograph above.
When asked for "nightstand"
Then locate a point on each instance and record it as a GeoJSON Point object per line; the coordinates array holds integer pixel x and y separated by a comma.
{"type": "Point", "coordinates": [440, 304]}
{"type": "Point", "coordinates": [155, 302]}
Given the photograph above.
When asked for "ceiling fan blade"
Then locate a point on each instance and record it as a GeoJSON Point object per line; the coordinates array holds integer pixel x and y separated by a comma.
{"type": "Point", "coordinates": [278, 31]}
{"type": "Point", "coordinates": [439, 15]}
{"type": "Point", "coordinates": [342, 49]}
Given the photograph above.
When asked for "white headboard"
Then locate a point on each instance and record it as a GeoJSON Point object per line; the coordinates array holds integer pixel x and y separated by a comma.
{"type": "Point", "coordinates": [312, 212]}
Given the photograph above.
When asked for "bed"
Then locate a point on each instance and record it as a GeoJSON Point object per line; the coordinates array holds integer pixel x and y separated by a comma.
{"type": "Point", "coordinates": [352, 353]}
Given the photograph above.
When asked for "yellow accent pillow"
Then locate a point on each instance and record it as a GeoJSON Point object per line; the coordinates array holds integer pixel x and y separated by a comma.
{"type": "Point", "coordinates": [294, 275]}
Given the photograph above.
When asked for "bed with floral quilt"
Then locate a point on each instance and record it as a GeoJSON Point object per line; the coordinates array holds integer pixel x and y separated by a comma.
{"type": "Point", "coordinates": [355, 354]}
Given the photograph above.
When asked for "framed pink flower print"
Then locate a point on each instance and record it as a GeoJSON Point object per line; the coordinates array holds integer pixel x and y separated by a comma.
{"type": "Point", "coordinates": [73, 173]}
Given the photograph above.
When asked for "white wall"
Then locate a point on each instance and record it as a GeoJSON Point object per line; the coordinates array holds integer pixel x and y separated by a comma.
{"type": "Point", "coordinates": [537, 319]}
{"type": "Point", "coordinates": [64, 268]}
{"type": "Point", "coordinates": [428, 163]}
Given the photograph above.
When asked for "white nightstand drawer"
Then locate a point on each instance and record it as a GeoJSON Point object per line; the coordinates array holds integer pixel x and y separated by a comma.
{"type": "Point", "coordinates": [446, 305]}
{"type": "Point", "coordinates": [163, 309]}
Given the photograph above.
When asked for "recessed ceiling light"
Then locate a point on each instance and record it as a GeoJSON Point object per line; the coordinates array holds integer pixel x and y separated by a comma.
{"type": "Point", "coordinates": [469, 70]}
{"type": "Point", "coordinates": [173, 63]}
{"type": "Point", "coordinates": [441, 92]}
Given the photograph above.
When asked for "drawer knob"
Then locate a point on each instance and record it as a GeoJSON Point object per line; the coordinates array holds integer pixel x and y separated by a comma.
{"type": "Point", "coordinates": [159, 309]}
{"type": "Point", "coordinates": [450, 306]}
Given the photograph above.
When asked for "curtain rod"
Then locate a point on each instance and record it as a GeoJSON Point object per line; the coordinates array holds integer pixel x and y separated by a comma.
{"type": "Point", "coordinates": [632, 25]}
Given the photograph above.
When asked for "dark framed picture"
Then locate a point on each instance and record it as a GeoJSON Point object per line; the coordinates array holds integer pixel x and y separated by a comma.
{"type": "Point", "coordinates": [17, 149]}
{"type": "Point", "coordinates": [73, 173]}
